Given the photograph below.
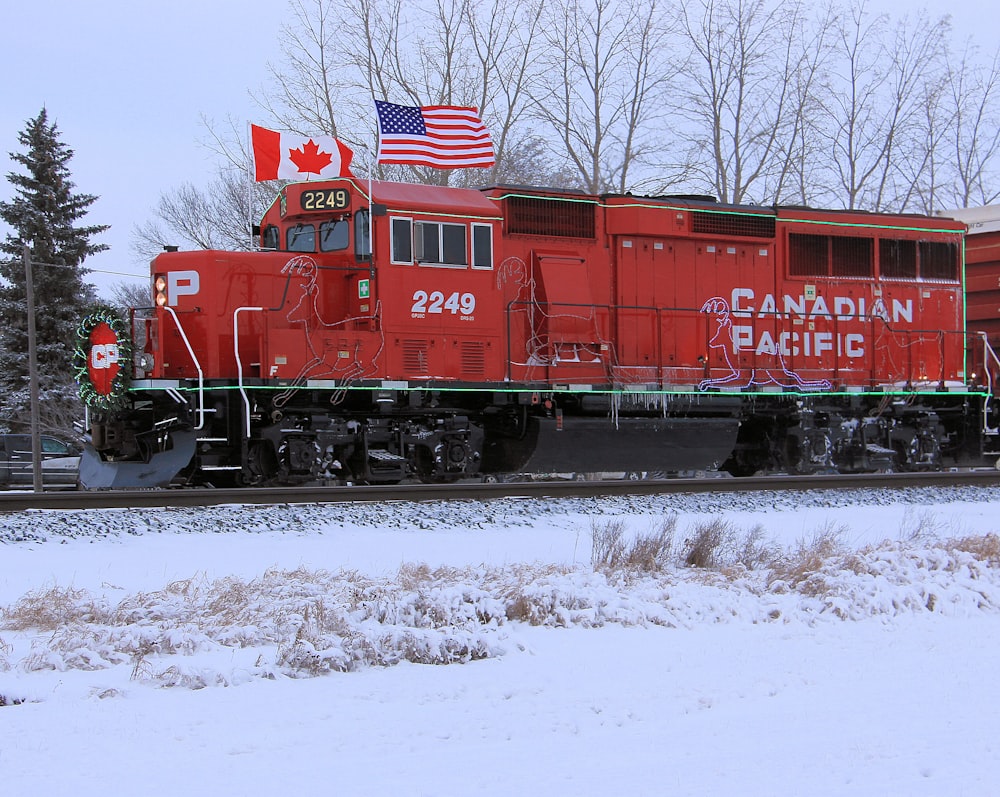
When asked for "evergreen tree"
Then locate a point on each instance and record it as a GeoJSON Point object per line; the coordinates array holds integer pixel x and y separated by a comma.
{"type": "Point", "coordinates": [42, 214]}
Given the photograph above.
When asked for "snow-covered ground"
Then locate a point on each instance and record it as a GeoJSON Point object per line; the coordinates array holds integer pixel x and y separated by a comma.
{"type": "Point", "coordinates": [825, 646]}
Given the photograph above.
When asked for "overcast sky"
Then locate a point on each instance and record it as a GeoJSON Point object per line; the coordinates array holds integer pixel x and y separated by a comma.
{"type": "Point", "coordinates": [129, 82]}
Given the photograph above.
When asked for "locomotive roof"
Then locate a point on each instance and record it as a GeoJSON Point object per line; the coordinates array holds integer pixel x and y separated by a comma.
{"type": "Point", "coordinates": [482, 201]}
{"type": "Point", "coordinates": [431, 198]}
{"type": "Point", "coordinates": [506, 188]}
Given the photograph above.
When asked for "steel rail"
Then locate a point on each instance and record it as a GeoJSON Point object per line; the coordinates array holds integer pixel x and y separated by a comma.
{"type": "Point", "coordinates": [12, 501]}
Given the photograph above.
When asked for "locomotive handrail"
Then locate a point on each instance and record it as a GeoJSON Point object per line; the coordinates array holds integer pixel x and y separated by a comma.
{"type": "Point", "coordinates": [239, 362]}
{"type": "Point", "coordinates": [197, 365]}
{"type": "Point", "coordinates": [915, 339]}
{"type": "Point", "coordinates": [988, 354]}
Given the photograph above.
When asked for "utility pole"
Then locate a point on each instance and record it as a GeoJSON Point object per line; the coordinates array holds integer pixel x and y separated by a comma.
{"type": "Point", "coordinates": [36, 440]}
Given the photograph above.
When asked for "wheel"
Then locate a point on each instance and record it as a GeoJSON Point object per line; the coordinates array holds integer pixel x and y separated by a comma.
{"type": "Point", "coordinates": [261, 465]}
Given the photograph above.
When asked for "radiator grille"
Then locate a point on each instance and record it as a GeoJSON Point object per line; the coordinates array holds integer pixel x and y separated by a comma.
{"type": "Point", "coordinates": [830, 255]}
{"type": "Point", "coordinates": [557, 217]}
{"type": "Point", "coordinates": [745, 224]}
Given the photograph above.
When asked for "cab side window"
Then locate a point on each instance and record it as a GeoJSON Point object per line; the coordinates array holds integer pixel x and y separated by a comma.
{"type": "Point", "coordinates": [402, 241]}
{"type": "Point", "coordinates": [362, 235]}
{"type": "Point", "coordinates": [440, 243]}
{"type": "Point", "coordinates": [272, 237]}
{"type": "Point", "coordinates": [482, 246]}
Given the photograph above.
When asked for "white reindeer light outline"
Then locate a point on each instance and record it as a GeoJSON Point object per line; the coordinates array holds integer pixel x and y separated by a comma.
{"type": "Point", "coordinates": [724, 341]}
{"type": "Point", "coordinates": [323, 361]}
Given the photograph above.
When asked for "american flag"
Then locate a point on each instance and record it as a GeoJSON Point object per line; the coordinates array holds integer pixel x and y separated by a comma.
{"type": "Point", "coordinates": [441, 136]}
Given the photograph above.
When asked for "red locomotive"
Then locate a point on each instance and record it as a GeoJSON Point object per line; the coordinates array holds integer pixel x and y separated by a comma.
{"type": "Point", "coordinates": [523, 330]}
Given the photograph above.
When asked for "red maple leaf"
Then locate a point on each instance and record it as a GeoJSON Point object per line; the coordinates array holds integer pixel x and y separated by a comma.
{"type": "Point", "coordinates": [309, 159]}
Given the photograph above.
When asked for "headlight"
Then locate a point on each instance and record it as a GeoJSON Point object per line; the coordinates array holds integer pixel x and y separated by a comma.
{"type": "Point", "coordinates": [160, 287]}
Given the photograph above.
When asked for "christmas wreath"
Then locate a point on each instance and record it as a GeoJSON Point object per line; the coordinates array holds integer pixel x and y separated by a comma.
{"type": "Point", "coordinates": [102, 360]}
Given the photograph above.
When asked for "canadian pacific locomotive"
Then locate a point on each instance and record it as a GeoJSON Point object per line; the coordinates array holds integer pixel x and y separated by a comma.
{"type": "Point", "coordinates": [386, 331]}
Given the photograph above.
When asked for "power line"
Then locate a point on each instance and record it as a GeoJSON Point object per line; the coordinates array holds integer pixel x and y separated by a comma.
{"type": "Point", "coordinates": [91, 270]}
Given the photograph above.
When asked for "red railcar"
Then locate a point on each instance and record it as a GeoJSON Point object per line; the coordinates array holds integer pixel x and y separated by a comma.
{"type": "Point", "coordinates": [514, 330]}
{"type": "Point", "coordinates": [982, 269]}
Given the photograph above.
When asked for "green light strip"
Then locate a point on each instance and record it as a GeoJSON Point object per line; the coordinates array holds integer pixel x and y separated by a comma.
{"type": "Point", "coordinates": [602, 392]}
{"type": "Point", "coordinates": [579, 200]}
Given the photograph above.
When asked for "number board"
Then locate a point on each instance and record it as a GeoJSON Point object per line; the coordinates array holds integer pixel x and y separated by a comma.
{"type": "Point", "coordinates": [325, 199]}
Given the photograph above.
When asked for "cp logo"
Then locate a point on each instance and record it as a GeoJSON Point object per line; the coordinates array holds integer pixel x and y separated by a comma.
{"type": "Point", "coordinates": [103, 355]}
{"type": "Point", "coordinates": [102, 364]}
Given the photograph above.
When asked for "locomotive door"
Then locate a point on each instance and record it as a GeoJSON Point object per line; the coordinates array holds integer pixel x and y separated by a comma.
{"type": "Point", "coordinates": [641, 272]}
{"type": "Point", "coordinates": [660, 329]}
{"type": "Point", "coordinates": [721, 292]}
{"type": "Point", "coordinates": [569, 326]}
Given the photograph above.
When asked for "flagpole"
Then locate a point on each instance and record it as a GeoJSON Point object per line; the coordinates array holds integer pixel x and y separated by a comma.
{"type": "Point", "coordinates": [371, 204]}
{"type": "Point", "coordinates": [249, 185]}
{"type": "Point", "coordinates": [371, 166]}
{"type": "Point", "coordinates": [371, 222]}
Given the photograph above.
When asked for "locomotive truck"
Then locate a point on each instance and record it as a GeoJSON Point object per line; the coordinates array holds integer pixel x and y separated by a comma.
{"type": "Point", "coordinates": [383, 331]}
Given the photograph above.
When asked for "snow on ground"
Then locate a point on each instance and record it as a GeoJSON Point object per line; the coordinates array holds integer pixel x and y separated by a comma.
{"type": "Point", "coordinates": [849, 645]}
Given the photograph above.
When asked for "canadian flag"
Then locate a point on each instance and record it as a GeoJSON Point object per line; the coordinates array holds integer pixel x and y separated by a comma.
{"type": "Point", "coordinates": [285, 156]}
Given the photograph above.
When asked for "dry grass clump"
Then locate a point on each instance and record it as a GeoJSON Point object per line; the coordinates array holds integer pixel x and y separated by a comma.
{"type": "Point", "coordinates": [52, 608]}
{"type": "Point", "coordinates": [646, 553]}
{"type": "Point", "coordinates": [714, 544]}
{"type": "Point", "coordinates": [189, 678]}
{"type": "Point", "coordinates": [342, 646]}
{"type": "Point", "coordinates": [709, 544]}
{"type": "Point", "coordinates": [318, 621]}
{"type": "Point", "coordinates": [808, 557]}
{"type": "Point", "coordinates": [755, 551]}
{"type": "Point", "coordinates": [516, 586]}
{"type": "Point", "coordinates": [985, 548]}
{"type": "Point", "coordinates": [555, 604]}
{"type": "Point", "coordinates": [718, 545]}
{"type": "Point", "coordinates": [607, 544]}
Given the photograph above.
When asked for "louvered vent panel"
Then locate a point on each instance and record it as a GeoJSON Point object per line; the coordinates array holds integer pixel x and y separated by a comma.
{"type": "Point", "coordinates": [415, 356]}
{"type": "Point", "coordinates": [473, 358]}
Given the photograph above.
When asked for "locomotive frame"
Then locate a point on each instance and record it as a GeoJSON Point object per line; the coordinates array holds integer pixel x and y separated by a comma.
{"type": "Point", "coordinates": [516, 330]}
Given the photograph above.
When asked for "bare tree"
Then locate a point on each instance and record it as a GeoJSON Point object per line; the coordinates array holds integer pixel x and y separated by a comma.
{"type": "Point", "coordinates": [750, 100]}
{"type": "Point", "coordinates": [214, 217]}
{"type": "Point", "coordinates": [338, 57]}
{"type": "Point", "coordinates": [602, 98]}
{"type": "Point", "coordinates": [475, 52]}
{"type": "Point", "coordinates": [750, 80]}
{"type": "Point", "coordinates": [880, 82]}
{"type": "Point", "coordinates": [974, 140]}
{"type": "Point", "coordinates": [503, 42]}
{"type": "Point", "coordinates": [792, 177]}
{"type": "Point", "coordinates": [311, 81]}
{"type": "Point", "coordinates": [132, 293]}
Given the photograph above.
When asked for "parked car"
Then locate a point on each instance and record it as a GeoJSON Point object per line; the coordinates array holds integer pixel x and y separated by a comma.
{"type": "Point", "coordinates": [60, 461]}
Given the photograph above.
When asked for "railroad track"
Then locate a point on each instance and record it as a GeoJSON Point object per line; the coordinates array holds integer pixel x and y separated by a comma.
{"type": "Point", "coordinates": [129, 499]}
